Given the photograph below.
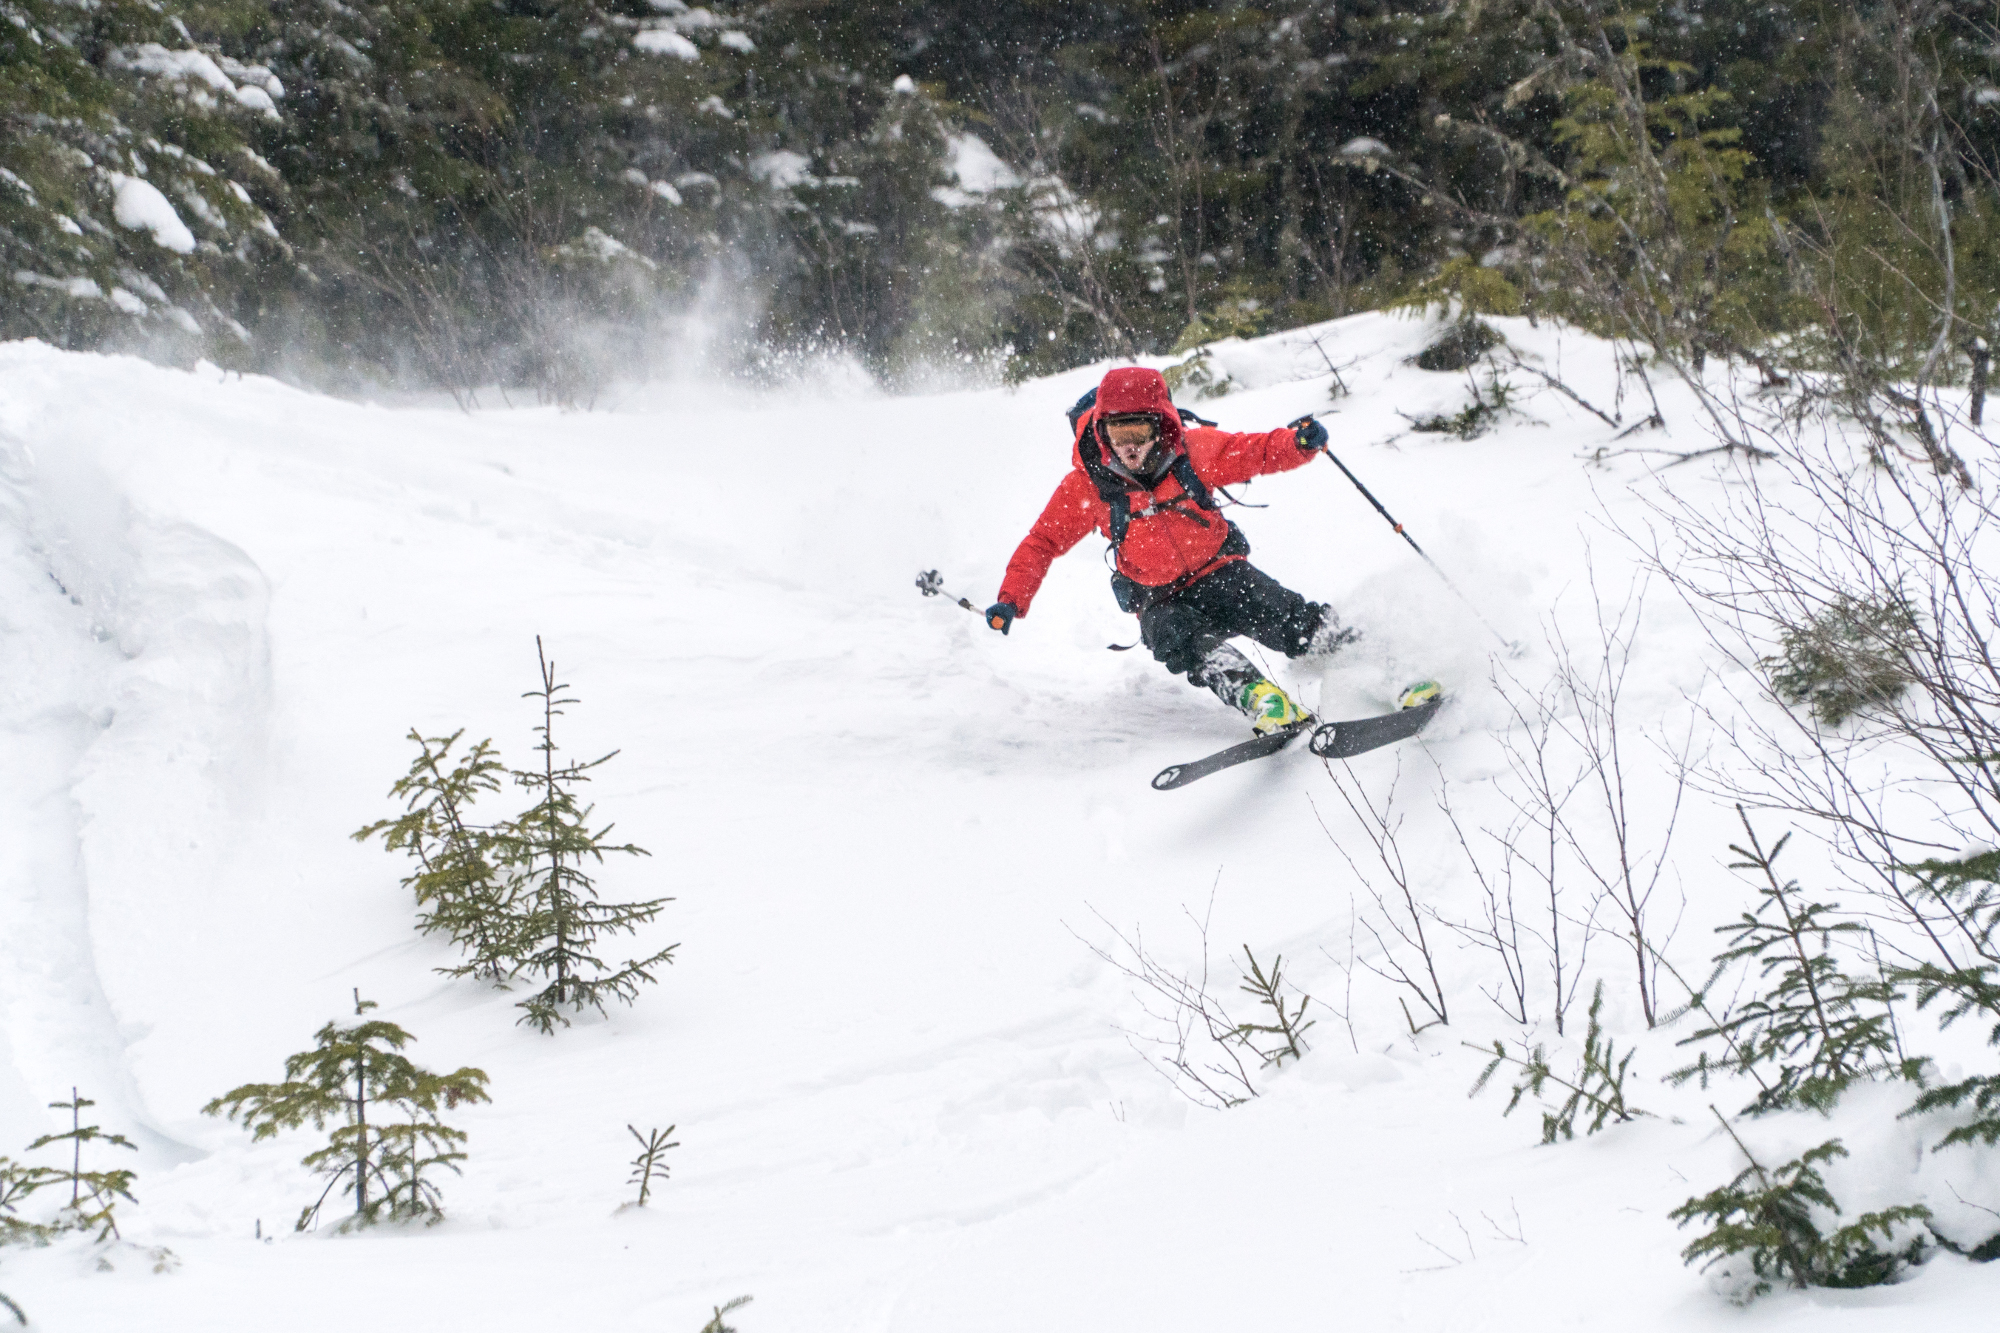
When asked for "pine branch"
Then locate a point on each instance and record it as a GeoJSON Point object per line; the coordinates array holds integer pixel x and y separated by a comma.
{"type": "Point", "coordinates": [1599, 1084]}
{"type": "Point", "coordinates": [1267, 988]}
{"type": "Point", "coordinates": [649, 1165]}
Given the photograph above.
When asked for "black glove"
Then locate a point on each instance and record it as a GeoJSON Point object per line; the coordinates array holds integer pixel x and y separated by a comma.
{"type": "Point", "coordinates": [1000, 616]}
{"type": "Point", "coordinates": [1311, 434]}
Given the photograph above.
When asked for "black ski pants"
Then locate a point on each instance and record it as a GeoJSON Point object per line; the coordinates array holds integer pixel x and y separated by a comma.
{"type": "Point", "coordinates": [1239, 598]}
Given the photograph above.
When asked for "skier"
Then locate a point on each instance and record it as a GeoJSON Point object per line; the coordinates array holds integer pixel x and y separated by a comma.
{"type": "Point", "coordinates": [1147, 482]}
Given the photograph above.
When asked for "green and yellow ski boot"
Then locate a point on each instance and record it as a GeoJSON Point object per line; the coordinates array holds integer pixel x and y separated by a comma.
{"type": "Point", "coordinates": [1419, 694]}
{"type": "Point", "coordinates": [1270, 708]}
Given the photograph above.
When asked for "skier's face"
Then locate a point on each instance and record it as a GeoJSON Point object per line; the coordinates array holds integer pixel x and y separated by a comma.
{"type": "Point", "coordinates": [1132, 441]}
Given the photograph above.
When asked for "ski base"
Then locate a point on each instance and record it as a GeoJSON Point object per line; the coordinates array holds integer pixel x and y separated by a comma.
{"type": "Point", "coordinates": [1179, 775]}
{"type": "Point", "coordinates": [1344, 740]}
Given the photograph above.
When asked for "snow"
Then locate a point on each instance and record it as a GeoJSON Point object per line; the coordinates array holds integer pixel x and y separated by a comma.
{"type": "Point", "coordinates": [257, 100]}
{"type": "Point", "coordinates": [138, 205]}
{"type": "Point", "coordinates": [977, 169]}
{"type": "Point", "coordinates": [183, 66]}
{"type": "Point", "coordinates": [781, 169]}
{"type": "Point", "coordinates": [666, 42]}
{"type": "Point", "coordinates": [737, 41]}
{"type": "Point", "coordinates": [83, 289]}
{"type": "Point", "coordinates": [897, 1072]}
{"type": "Point", "coordinates": [600, 245]}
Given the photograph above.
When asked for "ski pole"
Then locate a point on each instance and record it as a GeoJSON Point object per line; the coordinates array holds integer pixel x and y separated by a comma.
{"type": "Point", "coordinates": [931, 584]}
{"type": "Point", "coordinates": [1369, 496]}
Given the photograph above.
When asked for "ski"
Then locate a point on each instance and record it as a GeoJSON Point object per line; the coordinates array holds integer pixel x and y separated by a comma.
{"type": "Point", "coordinates": [1330, 740]}
{"type": "Point", "coordinates": [1179, 775]}
{"type": "Point", "coordinates": [1344, 740]}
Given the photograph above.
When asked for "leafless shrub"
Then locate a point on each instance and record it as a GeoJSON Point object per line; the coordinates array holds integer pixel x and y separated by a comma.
{"type": "Point", "coordinates": [1536, 841]}
{"type": "Point", "coordinates": [1408, 962]}
{"type": "Point", "coordinates": [1792, 549]}
{"type": "Point", "coordinates": [1191, 1039]}
{"type": "Point", "coordinates": [1622, 856]}
{"type": "Point", "coordinates": [1498, 928]}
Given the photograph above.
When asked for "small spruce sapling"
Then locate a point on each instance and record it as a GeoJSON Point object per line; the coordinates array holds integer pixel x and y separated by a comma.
{"type": "Point", "coordinates": [93, 1195]}
{"type": "Point", "coordinates": [1286, 1028]}
{"type": "Point", "coordinates": [386, 1111]}
{"type": "Point", "coordinates": [1817, 1029]}
{"type": "Point", "coordinates": [1598, 1086]}
{"type": "Point", "coordinates": [560, 918]}
{"type": "Point", "coordinates": [650, 1164]}
{"type": "Point", "coordinates": [715, 1324]}
{"type": "Point", "coordinates": [458, 890]}
{"type": "Point", "coordinates": [1768, 1216]}
{"type": "Point", "coordinates": [1854, 655]}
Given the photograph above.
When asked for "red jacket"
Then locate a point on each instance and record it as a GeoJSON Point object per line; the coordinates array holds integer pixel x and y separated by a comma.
{"type": "Point", "coordinates": [1165, 541]}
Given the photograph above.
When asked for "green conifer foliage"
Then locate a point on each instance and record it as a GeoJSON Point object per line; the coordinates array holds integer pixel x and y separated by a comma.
{"type": "Point", "coordinates": [560, 919]}
{"type": "Point", "coordinates": [1854, 654]}
{"type": "Point", "coordinates": [385, 1110]}
{"type": "Point", "coordinates": [716, 1324]}
{"type": "Point", "coordinates": [1663, 236]}
{"type": "Point", "coordinates": [458, 890]}
{"type": "Point", "coordinates": [1284, 1037]}
{"type": "Point", "coordinates": [110, 115]}
{"type": "Point", "coordinates": [1816, 1029]}
{"type": "Point", "coordinates": [651, 1163]}
{"type": "Point", "coordinates": [1596, 1089]}
{"type": "Point", "coordinates": [17, 1182]}
{"type": "Point", "coordinates": [1965, 894]}
{"type": "Point", "coordinates": [93, 1195]}
{"type": "Point", "coordinates": [1772, 1218]}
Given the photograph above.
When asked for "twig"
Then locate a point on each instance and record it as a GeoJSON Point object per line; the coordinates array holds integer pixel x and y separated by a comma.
{"type": "Point", "coordinates": [1563, 389]}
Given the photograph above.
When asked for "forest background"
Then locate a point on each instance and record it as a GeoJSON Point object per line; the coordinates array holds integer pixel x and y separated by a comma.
{"type": "Point", "coordinates": [462, 193]}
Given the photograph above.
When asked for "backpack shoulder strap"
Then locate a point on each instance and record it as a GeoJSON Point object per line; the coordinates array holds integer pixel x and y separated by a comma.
{"type": "Point", "coordinates": [1184, 473]}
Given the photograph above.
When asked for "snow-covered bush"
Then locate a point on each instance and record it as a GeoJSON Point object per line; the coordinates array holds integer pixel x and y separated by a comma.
{"type": "Point", "coordinates": [1776, 1221]}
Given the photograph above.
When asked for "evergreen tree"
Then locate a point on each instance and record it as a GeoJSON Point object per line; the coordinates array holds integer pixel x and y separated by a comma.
{"type": "Point", "coordinates": [127, 211]}
{"type": "Point", "coordinates": [651, 1163]}
{"type": "Point", "coordinates": [561, 919]}
{"type": "Point", "coordinates": [459, 892]}
{"type": "Point", "coordinates": [93, 1195]}
{"type": "Point", "coordinates": [1597, 1088]}
{"type": "Point", "coordinates": [1772, 1218]}
{"type": "Point", "coordinates": [385, 1110]}
{"type": "Point", "coordinates": [1286, 1033]}
{"type": "Point", "coordinates": [1816, 1029]}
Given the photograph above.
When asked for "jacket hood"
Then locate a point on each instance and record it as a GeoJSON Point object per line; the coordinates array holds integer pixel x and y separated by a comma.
{"type": "Point", "coordinates": [1126, 389]}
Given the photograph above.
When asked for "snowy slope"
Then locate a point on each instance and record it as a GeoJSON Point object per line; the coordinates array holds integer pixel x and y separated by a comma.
{"type": "Point", "coordinates": [896, 1068]}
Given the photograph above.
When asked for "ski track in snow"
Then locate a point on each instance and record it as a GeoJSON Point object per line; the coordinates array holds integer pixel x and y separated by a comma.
{"type": "Point", "coordinates": [897, 1073]}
